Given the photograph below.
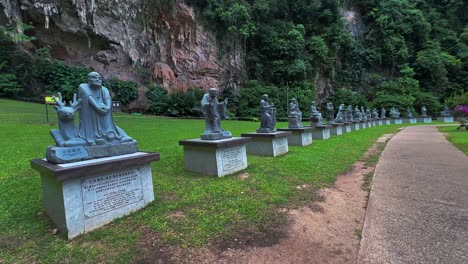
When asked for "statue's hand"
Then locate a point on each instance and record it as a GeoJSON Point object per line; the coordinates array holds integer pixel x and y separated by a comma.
{"type": "Point", "coordinates": [226, 101]}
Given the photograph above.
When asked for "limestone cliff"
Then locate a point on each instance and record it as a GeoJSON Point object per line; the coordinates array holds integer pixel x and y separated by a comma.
{"type": "Point", "coordinates": [130, 39]}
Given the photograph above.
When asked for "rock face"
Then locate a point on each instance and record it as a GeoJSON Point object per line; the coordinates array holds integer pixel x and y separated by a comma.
{"type": "Point", "coordinates": [156, 40]}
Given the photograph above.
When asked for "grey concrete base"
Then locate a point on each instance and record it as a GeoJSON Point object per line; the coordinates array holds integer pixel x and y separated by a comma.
{"type": "Point", "coordinates": [425, 119]}
{"type": "Point", "coordinates": [374, 123]}
{"type": "Point", "coordinates": [363, 124]}
{"type": "Point", "coordinates": [321, 132]}
{"type": "Point", "coordinates": [88, 201]}
{"type": "Point", "coordinates": [446, 119]}
{"type": "Point", "coordinates": [387, 121]}
{"type": "Point", "coordinates": [410, 120]}
{"type": "Point", "coordinates": [397, 121]}
{"type": "Point", "coordinates": [379, 122]}
{"type": "Point", "coordinates": [369, 124]}
{"type": "Point", "coordinates": [60, 155]}
{"type": "Point", "coordinates": [268, 144]}
{"type": "Point", "coordinates": [348, 127]}
{"type": "Point", "coordinates": [299, 136]}
{"type": "Point", "coordinates": [337, 129]}
{"type": "Point", "coordinates": [215, 158]}
{"type": "Point", "coordinates": [355, 126]}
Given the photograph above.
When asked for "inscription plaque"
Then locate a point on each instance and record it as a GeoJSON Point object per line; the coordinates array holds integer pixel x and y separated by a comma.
{"type": "Point", "coordinates": [281, 146]}
{"type": "Point", "coordinates": [307, 138]}
{"type": "Point", "coordinates": [71, 153]}
{"type": "Point", "coordinates": [232, 158]}
{"type": "Point", "coordinates": [102, 194]}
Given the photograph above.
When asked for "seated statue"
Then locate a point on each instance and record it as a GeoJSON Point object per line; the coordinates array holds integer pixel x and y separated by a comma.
{"type": "Point", "coordinates": [357, 114]}
{"type": "Point", "coordinates": [295, 115]}
{"type": "Point", "coordinates": [96, 134]}
{"type": "Point", "coordinates": [368, 114]}
{"type": "Point", "coordinates": [267, 116]}
{"type": "Point", "coordinates": [375, 114]}
{"type": "Point", "coordinates": [315, 115]}
{"type": "Point", "coordinates": [349, 114]}
{"type": "Point", "coordinates": [423, 111]}
{"type": "Point", "coordinates": [446, 111]}
{"type": "Point", "coordinates": [340, 116]}
{"type": "Point", "coordinates": [394, 113]}
{"type": "Point", "coordinates": [213, 111]}
{"type": "Point", "coordinates": [409, 113]}
{"type": "Point", "coordinates": [383, 113]}
{"type": "Point", "coordinates": [363, 114]}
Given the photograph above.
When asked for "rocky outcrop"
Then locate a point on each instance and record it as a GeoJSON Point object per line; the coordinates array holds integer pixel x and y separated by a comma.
{"type": "Point", "coordinates": [131, 39]}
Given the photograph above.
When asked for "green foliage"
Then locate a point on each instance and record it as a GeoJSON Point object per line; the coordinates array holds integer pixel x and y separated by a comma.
{"type": "Point", "coordinates": [187, 103]}
{"type": "Point", "coordinates": [157, 100]}
{"type": "Point", "coordinates": [428, 100]}
{"type": "Point", "coordinates": [346, 96]}
{"type": "Point", "coordinates": [401, 102]}
{"type": "Point", "coordinates": [457, 99]}
{"type": "Point", "coordinates": [124, 91]}
{"type": "Point", "coordinates": [9, 85]}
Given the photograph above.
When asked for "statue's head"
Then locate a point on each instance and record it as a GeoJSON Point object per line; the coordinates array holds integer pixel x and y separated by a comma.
{"type": "Point", "coordinates": [294, 100]}
{"type": "Point", "coordinates": [213, 92]}
{"type": "Point", "coordinates": [94, 79]}
{"type": "Point", "coordinates": [265, 97]}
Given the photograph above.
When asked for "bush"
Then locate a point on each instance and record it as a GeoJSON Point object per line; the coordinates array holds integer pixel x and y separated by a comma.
{"type": "Point", "coordinates": [187, 103]}
{"type": "Point", "coordinates": [401, 102]}
{"type": "Point", "coordinates": [457, 99]}
{"type": "Point", "coordinates": [157, 100]}
{"type": "Point", "coordinates": [348, 97]}
{"type": "Point", "coordinates": [428, 100]}
{"type": "Point", "coordinates": [124, 91]}
{"type": "Point", "coordinates": [9, 85]}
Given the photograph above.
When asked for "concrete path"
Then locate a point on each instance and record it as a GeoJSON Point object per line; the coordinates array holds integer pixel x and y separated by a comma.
{"type": "Point", "coordinates": [418, 205]}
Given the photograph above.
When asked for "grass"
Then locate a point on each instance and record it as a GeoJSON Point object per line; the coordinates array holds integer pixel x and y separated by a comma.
{"type": "Point", "coordinates": [190, 210]}
{"type": "Point", "coordinates": [457, 137]}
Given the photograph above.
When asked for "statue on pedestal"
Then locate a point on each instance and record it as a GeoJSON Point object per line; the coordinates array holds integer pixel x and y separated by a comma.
{"type": "Point", "coordinates": [363, 114]}
{"type": "Point", "coordinates": [409, 113]}
{"type": "Point", "coordinates": [383, 112]}
{"type": "Point", "coordinates": [330, 113]}
{"type": "Point", "coordinates": [446, 111]}
{"type": "Point", "coordinates": [315, 115]}
{"type": "Point", "coordinates": [357, 114]}
{"type": "Point", "coordinates": [96, 134]}
{"type": "Point", "coordinates": [423, 111]}
{"type": "Point", "coordinates": [213, 111]}
{"type": "Point", "coordinates": [394, 113]}
{"type": "Point", "coordinates": [340, 115]}
{"type": "Point", "coordinates": [267, 116]}
{"type": "Point", "coordinates": [295, 115]}
{"type": "Point", "coordinates": [349, 114]}
{"type": "Point", "coordinates": [368, 114]}
{"type": "Point", "coordinates": [375, 114]}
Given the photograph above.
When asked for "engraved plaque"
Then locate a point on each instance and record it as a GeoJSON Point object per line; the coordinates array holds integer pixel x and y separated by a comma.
{"type": "Point", "coordinates": [71, 153]}
{"type": "Point", "coordinates": [307, 138]}
{"type": "Point", "coordinates": [281, 146]}
{"type": "Point", "coordinates": [102, 194]}
{"type": "Point", "coordinates": [232, 158]}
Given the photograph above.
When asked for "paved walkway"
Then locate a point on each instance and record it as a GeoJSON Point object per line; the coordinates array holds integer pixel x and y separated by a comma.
{"type": "Point", "coordinates": [418, 205]}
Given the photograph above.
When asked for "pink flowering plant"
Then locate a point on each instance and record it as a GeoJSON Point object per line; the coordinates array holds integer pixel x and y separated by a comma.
{"type": "Point", "coordinates": [462, 112]}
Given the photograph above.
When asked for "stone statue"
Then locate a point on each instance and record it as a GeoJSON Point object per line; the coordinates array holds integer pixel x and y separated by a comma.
{"type": "Point", "coordinates": [383, 113]}
{"type": "Point", "coordinates": [446, 111]}
{"type": "Point", "coordinates": [315, 115]}
{"type": "Point", "coordinates": [357, 114]}
{"type": "Point", "coordinates": [349, 114]}
{"type": "Point", "coordinates": [423, 111]}
{"type": "Point", "coordinates": [363, 114]}
{"type": "Point", "coordinates": [267, 116]}
{"type": "Point", "coordinates": [330, 113]}
{"type": "Point", "coordinates": [340, 115]}
{"type": "Point", "coordinates": [96, 124]}
{"type": "Point", "coordinates": [394, 113]}
{"type": "Point", "coordinates": [409, 113]}
{"type": "Point", "coordinates": [213, 111]}
{"type": "Point", "coordinates": [375, 114]}
{"type": "Point", "coordinates": [368, 114]}
{"type": "Point", "coordinates": [96, 135]}
{"type": "Point", "coordinates": [295, 115]}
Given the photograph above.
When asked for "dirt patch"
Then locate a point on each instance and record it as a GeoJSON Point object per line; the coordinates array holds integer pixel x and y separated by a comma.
{"type": "Point", "coordinates": [320, 232]}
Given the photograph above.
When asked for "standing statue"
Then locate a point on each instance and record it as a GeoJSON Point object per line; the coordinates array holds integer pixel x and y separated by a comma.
{"type": "Point", "coordinates": [409, 113]}
{"type": "Point", "coordinates": [394, 113]}
{"type": "Point", "coordinates": [423, 111]}
{"type": "Point", "coordinates": [357, 114]}
{"type": "Point", "coordinates": [349, 114]}
{"type": "Point", "coordinates": [363, 114]}
{"type": "Point", "coordinates": [295, 115]}
{"type": "Point", "coordinates": [267, 116]}
{"type": "Point", "coordinates": [340, 115]}
{"type": "Point", "coordinates": [330, 113]}
{"type": "Point", "coordinates": [375, 114]}
{"type": "Point", "coordinates": [96, 135]}
{"type": "Point", "coordinates": [213, 111]}
{"type": "Point", "coordinates": [368, 114]}
{"type": "Point", "coordinates": [383, 112]}
{"type": "Point", "coordinates": [315, 115]}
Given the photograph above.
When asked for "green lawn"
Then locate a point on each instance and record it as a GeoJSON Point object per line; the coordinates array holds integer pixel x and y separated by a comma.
{"type": "Point", "coordinates": [190, 210]}
{"type": "Point", "coordinates": [457, 137]}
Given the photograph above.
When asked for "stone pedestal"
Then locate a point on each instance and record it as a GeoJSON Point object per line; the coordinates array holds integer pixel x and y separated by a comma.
{"type": "Point", "coordinates": [410, 120]}
{"type": "Point", "coordinates": [299, 136]}
{"type": "Point", "coordinates": [82, 196]}
{"type": "Point", "coordinates": [336, 129]}
{"type": "Point", "coordinates": [374, 122]}
{"type": "Point", "coordinates": [268, 144]}
{"type": "Point", "coordinates": [387, 121]}
{"type": "Point", "coordinates": [379, 122]}
{"type": "Point", "coordinates": [215, 157]}
{"type": "Point", "coordinates": [446, 119]}
{"type": "Point", "coordinates": [363, 124]}
{"type": "Point", "coordinates": [321, 132]}
{"type": "Point", "coordinates": [369, 123]}
{"type": "Point", "coordinates": [397, 121]}
{"type": "Point", "coordinates": [348, 127]}
{"type": "Point", "coordinates": [425, 119]}
{"type": "Point", "coordinates": [355, 126]}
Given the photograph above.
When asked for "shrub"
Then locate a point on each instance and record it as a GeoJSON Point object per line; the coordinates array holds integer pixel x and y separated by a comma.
{"type": "Point", "coordinates": [428, 100]}
{"type": "Point", "coordinates": [457, 99]}
{"type": "Point", "coordinates": [348, 97]}
{"type": "Point", "coordinates": [157, 100]}
{"type": "Point", "coordinates": [401, 102]}
{"type": "Point", "coordinates": [124, 91]}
